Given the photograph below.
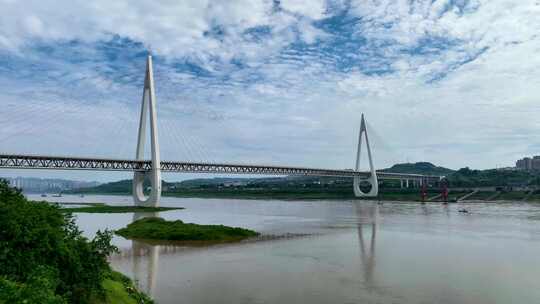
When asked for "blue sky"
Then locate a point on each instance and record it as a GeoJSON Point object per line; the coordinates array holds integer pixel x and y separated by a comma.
{"type": "Point", "coordinates": [280, 82]}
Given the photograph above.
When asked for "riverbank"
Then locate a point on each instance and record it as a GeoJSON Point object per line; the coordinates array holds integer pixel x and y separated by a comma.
{"type": "Point", "coordinates": [104, 208]}
{"type": "Point", "coordinates": [409, 195]}
{"type": "Point", "coordinates": [278, 195]}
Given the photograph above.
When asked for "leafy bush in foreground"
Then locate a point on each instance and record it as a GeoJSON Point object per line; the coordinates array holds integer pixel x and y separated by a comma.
{"type": "Point", "coordinates": [43, 256]}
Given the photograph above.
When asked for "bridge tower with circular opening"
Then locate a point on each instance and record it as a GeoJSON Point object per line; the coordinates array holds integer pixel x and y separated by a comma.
{"type": "Point", "coordinates": [372, 179]}
{"type": "Point", "coordinates": [148, 108]}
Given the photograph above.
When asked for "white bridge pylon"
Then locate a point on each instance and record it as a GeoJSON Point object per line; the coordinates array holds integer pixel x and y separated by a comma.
{"type": "Point", "coordinates": [148, 108]}
{"type": "Point", "coordinates": [372, 179]}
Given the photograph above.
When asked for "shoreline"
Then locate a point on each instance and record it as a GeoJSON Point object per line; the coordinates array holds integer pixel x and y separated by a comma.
{"type": "Point", "coordinates": [384, 197]}
{"type": "Point", "coordinates": [105, 208]}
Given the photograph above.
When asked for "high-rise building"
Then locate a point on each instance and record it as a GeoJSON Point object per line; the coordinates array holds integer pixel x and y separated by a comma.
{"type": "Point", "coordinates": [535, 163]}
{"type": "Point", "coordinates": [528, 163]}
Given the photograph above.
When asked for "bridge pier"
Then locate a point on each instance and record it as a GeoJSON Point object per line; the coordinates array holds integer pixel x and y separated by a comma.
{"type": "Point", "coordinates": [372, 179]}
{"type": "Point", "coordinates": [148, 108]}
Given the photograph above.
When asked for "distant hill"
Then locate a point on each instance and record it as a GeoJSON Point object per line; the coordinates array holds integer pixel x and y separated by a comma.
{"type": "Point", "coordinates": [420, 168]}
{"type": "Point", "coordinates": [120, 187]}
{"type": "Point", "coordinates": [196, 182]}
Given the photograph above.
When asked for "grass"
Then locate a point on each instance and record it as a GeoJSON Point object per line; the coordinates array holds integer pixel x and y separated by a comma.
{"type": "Point", "coordinates": [302, 194]}
{"type": "Point", "coordinates": [263, 194]}
{"type": "Point", "coordinates": [402, 196]}
{"type": "Point", "coordinates": [481, 195]}
{"type": "Point", "coordinates": [340, 193]}
{"type": "Point", "coordinates": [116, 293]}
{"type": "Point", "coordinates": [155, 228]}
{"type": "Point", "coordinates": [410, 195]}
{"type": "Point", "coordinates": [119, 289]}
{"type": "Point", "coordinates": [514, 195]}
{"type": "Point", "coordinates": [535, 197]}
{"type": "Point", "coordinates": [103, 208]}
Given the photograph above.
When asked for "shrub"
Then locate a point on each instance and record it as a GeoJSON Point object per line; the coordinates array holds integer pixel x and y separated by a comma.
{"type": "Point", "coordinates": [42, 249]}
{"type": "Point", "coordinates": [39, 288]}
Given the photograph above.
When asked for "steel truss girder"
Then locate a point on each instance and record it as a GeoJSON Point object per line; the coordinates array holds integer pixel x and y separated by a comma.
{"type": "Point", "coordinates": [71, 163]}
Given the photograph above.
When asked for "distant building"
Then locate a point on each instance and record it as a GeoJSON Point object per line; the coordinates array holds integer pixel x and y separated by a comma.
{"type": "Point", "coordinates": [36, 185]}
{"type": "Point", "coordinates": [529, 163]}
{"type": "Point", "coordinates": [234, 184]}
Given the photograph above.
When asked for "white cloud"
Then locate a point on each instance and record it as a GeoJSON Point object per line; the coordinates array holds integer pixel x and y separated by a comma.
{"type": "Point", "coordinates": [178, 28]}
{"type": "Point", "coordinates": [313, 9]}
{"type": "Point", "coordinates": [432, 104]}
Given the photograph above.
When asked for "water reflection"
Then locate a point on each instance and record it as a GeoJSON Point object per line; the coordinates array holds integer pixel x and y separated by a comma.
{"type": "Point", "coordinates": [367, 223]}
{"type": "Point", "coordinates": [145, 256]}
{"type": "Point", "coordinates": [367, 226]}
{"type": "Point", "coordinates": [140, 249]}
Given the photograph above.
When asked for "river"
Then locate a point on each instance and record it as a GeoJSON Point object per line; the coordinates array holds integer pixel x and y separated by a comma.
{"type": "Point", "coordinates": [336, 252]}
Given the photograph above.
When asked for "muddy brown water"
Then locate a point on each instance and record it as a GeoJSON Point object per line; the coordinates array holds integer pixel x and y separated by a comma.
{"type": "Point", "coordinates": [336, 252]}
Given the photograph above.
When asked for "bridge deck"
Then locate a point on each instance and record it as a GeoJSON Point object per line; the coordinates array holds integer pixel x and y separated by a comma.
{"type": "Point", "coordinates": [80, 163]}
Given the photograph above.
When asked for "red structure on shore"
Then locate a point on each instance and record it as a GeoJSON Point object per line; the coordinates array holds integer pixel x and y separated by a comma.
{"type": "Point", "coordinates": [444, 190]}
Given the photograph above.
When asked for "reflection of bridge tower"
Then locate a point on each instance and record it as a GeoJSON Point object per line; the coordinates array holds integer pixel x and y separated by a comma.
{"type": "Point", "coordinates": [372, 179]}
{"type": "Point", "coordinates": [139, 249]}
{"type": "Point", "coordinates": [148, 107]}
{"type": "Point", "coordinates": [367, 255]}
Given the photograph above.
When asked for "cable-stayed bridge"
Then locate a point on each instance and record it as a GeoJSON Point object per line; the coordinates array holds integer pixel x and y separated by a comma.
{"type": "Point", "coordinates": [152, 169]}
{"type": "Point", "coordinates": [102, 164]}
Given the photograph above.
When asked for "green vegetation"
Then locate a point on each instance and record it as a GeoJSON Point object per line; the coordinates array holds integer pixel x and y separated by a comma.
{"type": "Point", "coordinates": [535, 197]}
{"type": "Point", "coordinates": [156, 228]}
{"type": "Point", "coordinates": [281, 194]}
{"type": "Point", "coordinates": [420, 168]}
{"type": "Point", "coordinates": [481, 195]}
{"type": "Point", "coordinates": [466, 177]}
{"type": "Point", "coordinates": [336, 192]}
{"type": "Point", "coordinates": [103, 208]}
{"type": "Point", "coordinates": [45, 259]}
{"type": "Point", "coordinates": [119, 187]}
{"type": "Point", "coordinates": [119, 289]}
{"type": "Point", "coordinates": [512, 196]}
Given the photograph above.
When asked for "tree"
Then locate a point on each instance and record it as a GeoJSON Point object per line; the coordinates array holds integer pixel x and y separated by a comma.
{"type": "Point", "coordinates": [41, 246]}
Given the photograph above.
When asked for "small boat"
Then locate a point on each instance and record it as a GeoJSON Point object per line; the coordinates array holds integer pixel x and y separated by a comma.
{"type": "Point", "coordinates": [57, 195]}
{"type": "Point", "coordinates": [463, 210]}
{"type": "Point", "coordinates": [43, 195]}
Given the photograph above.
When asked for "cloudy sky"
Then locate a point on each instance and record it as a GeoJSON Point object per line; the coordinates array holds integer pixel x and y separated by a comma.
{"type": "Point", "coordinates": [453, 82]}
